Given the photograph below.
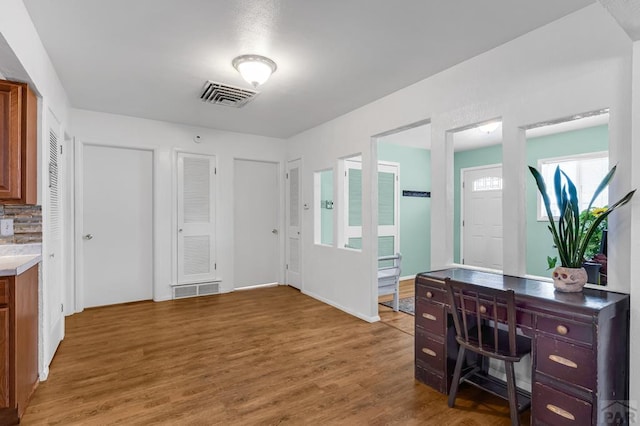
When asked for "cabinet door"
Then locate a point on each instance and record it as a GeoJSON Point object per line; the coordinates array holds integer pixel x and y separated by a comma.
{"type": "Point", "coordinates": [10, 142]}
{"type": "Point", "coordinates": [4, 357]}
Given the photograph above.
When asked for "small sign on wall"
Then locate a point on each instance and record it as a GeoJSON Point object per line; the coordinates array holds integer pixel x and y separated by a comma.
{"type": "Point", "coordinates": [420, 194]}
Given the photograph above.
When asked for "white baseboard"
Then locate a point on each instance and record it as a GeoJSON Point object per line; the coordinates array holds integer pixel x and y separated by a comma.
{"type": "Point", "coordinates": [408, 277]}
{"type": "Point", "coordinates": [366, 318]}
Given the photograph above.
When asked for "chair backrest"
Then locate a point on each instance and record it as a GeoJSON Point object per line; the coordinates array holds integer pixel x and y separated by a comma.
{"type": "Point", "coordinates": [390, 262]}
{"type": "Point", "coordinates": [470, 305]}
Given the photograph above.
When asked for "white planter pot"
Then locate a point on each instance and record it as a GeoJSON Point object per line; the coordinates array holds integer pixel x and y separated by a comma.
{"type": "Point", "coordinates": [569, 280]}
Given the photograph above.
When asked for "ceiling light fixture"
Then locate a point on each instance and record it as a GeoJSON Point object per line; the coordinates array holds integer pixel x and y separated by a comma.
{"type": "Point", "coordinates": [488, 127]}
{"type": "Point", "coordinates": [255, 69]}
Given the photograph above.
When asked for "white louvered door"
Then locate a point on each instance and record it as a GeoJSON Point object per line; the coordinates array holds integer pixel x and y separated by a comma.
{"type": "Point", "coordinates": [53, 294]}
{"type": "Point", "coordinates": [294, 216]}
{"type": "Point", "coordinates": [196, 218]}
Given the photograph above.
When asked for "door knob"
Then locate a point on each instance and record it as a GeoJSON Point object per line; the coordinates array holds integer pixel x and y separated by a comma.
{"type": "Point", "coordinates": [274, 231]}
{"type": "Point", "coordinates": [88, 237]}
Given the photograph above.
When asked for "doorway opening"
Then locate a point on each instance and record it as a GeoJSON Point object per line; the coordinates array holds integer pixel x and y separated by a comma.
{"type": "Point", "coordinates": [403, 207]}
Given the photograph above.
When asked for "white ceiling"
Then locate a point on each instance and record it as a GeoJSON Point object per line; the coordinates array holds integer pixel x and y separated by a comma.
{"type": "Point", "coordinates": [150, 58]}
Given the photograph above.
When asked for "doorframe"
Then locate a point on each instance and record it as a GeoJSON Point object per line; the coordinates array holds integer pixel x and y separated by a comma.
{"type": "Point", "coordinates": [281, 205]}
{"type": "Point", "coordinates": [79, 212]}
{"type": "Point", "coordinates": [462, 171]}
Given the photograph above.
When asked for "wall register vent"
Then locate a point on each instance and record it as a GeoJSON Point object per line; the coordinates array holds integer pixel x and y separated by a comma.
{"type": "Point", "coordinates": [224, 94]}
{"type": "Point", "coordinates": [194, 290]}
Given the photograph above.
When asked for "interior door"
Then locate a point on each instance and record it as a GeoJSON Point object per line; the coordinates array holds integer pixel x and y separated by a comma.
{"type": "Point", "coordinates": [196, 218]}
{"type": "Point", "coordinates": [52, 264]}
{"type": "Point", "coordinates": [482, 217]}
{"type": "Point", "coordinates": [294, 216]}
{"type": "Point", "coordinates": [117, 223]}
{"type": "Point", "coordinates": [256, 200]}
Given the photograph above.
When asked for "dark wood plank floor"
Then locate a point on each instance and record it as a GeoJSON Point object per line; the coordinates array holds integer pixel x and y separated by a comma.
{"type": "Point", "coordinates": [270, 356]}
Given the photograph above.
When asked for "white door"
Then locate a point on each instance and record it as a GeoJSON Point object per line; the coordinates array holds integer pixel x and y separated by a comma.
{"type": "Point", "coordinates": [196, 218]}
{"type": "Point", "coordinates": [294, 215]}
{"type": "Point", "coordinates": [52, 265]}
{"type": "Point", "coordinates": [482, 217]}
{"type": "Point", "coordinates": [117, 221]}
{"type": "Point", "coordinates": [256, 239]}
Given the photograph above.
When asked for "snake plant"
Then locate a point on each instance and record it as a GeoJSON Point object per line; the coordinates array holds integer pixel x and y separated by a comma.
{"type": "Point", "coordinates": [571, 236]}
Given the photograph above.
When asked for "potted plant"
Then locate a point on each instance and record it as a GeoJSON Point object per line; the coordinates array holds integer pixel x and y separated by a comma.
{"type": "Point", "coordinates": [570, 234]}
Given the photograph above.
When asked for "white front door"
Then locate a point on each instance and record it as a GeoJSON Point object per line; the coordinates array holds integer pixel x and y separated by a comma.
{"type": "Point", "coordinates": [256, 225]}
{"type": "Point", "coordinates": [482, 217]}
{"type": "Point", "coordinates": [294, 217]}
{"type": "Point", "coordinates": [115, 237]}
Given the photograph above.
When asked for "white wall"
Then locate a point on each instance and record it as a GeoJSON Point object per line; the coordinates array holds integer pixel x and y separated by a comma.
{"type": "Point", "coordinates": [23, 58]}
{"type": "Point", "coordinates": [166, 139]}
{"type": "Point", "coordinates": [577, 64]}
{"type": "Point", "coordinates": [634, 155]}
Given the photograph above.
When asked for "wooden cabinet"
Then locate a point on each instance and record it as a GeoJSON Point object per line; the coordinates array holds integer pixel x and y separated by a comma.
{"type": "Point", "coordinates": [18, 142]}
{"type": "Point", "coordinates": [580, 341]}
{"type": "Point", "coordinates": [18, 343]}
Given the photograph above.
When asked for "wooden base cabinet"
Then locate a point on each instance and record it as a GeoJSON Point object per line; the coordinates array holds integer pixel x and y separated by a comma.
{"type": "Point", "coordinates": [18, 142]}
{"type": "Point", "coordinates": [18, 343]}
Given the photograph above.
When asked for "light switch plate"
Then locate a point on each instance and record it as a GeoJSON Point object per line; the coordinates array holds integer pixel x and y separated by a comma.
{"type": "Point", "coordinates": [6, 227]}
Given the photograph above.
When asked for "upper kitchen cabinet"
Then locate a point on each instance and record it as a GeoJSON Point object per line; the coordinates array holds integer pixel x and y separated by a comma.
{"type": "Point", "coordinates": [18, 142]}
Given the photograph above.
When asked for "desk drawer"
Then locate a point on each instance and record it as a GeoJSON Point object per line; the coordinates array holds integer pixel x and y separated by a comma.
{"type": "Point", "coordinates": [566, 361]}
{"type": "Point", "coordinates": [434, 293]}
{"type": "Point", "coordinates": [579, 332]}
{"type": "Point", "coordinates": [429, 351]}
{"type": "Point", "coordinates": [430, 316]}
{"type": "Point", "coordinates": [552, 407]}
{"type": "Point", "coordinates": [4, 291]}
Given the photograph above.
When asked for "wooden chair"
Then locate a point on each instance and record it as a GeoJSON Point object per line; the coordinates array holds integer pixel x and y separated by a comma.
{"type": "Point", "coordinates": [389, 277]}
{"type": "Point", "coordinates": [477, 313]}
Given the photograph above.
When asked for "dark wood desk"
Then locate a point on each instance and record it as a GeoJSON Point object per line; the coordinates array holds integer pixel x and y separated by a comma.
{"type": "Point", "coordinates": [580, 344]}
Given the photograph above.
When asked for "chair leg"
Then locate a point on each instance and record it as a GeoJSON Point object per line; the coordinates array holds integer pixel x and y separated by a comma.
{"type": "Point", "coordinates": [513, 394]}
{"type": "Point", "coordinates": [396, 300]}
{"type": "Point", "coordinates": [455, 381]}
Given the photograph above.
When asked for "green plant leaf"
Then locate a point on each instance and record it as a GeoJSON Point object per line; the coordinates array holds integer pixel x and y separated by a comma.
{"type": "Point", "coordinates": [551, 262]}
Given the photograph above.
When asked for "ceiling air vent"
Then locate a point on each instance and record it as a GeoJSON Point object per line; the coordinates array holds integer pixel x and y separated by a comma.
{"type": "Point", "coordinates": [223, 94]}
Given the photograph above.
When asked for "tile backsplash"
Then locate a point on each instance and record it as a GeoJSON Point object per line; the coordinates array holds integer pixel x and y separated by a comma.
{"type": "Point", "coordinates": [27, 223]}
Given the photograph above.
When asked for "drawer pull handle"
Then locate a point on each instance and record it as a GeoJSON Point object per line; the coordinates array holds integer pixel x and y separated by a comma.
{"type": "Point", "coordinates": [429, 295]}
{"type": "Point", "coordinates": [561, 329]}
{"type": "Point", "coordinates": [563, 361]}
{"type": "Point", "coordinates": [483, 309]}
{"type": "Point", "coordinates": [559, 411]}
{"type": "Point", "coordinates": [428, 352]}
{"type": "Point", "coordinates": [429, 317]}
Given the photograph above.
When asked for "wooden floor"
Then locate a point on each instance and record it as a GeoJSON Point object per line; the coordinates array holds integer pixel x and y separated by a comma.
{"type": "Point", "coordinates": [271, 356]}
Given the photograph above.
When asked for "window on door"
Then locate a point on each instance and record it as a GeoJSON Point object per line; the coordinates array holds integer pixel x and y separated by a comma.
{"type": "Point", "coordinates": [586, 171]}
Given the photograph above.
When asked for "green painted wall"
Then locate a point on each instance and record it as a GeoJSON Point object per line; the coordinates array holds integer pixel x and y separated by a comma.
{"type": "Point", "coordinates": [463, 160]}
{"type": "Point", "coordinates": [539, 242]}
{"type": "Point", "coordinates": [326, 215]}
{"type": "Point", "coordinates": [415, 212]}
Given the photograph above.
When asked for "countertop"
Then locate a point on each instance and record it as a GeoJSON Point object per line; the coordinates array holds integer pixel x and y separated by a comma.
{"type": "Point", "coordinates": [17, 258]}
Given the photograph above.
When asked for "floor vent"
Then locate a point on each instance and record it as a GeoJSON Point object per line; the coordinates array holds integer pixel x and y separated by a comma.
{"type": "Point", "coordinates": [194, 290]}
{"type": "Point", "coordinates": [224, 94]}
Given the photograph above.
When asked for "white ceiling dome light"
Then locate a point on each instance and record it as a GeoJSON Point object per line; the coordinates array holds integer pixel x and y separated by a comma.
{"type": "Point", "coordinates": [255, 69]}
